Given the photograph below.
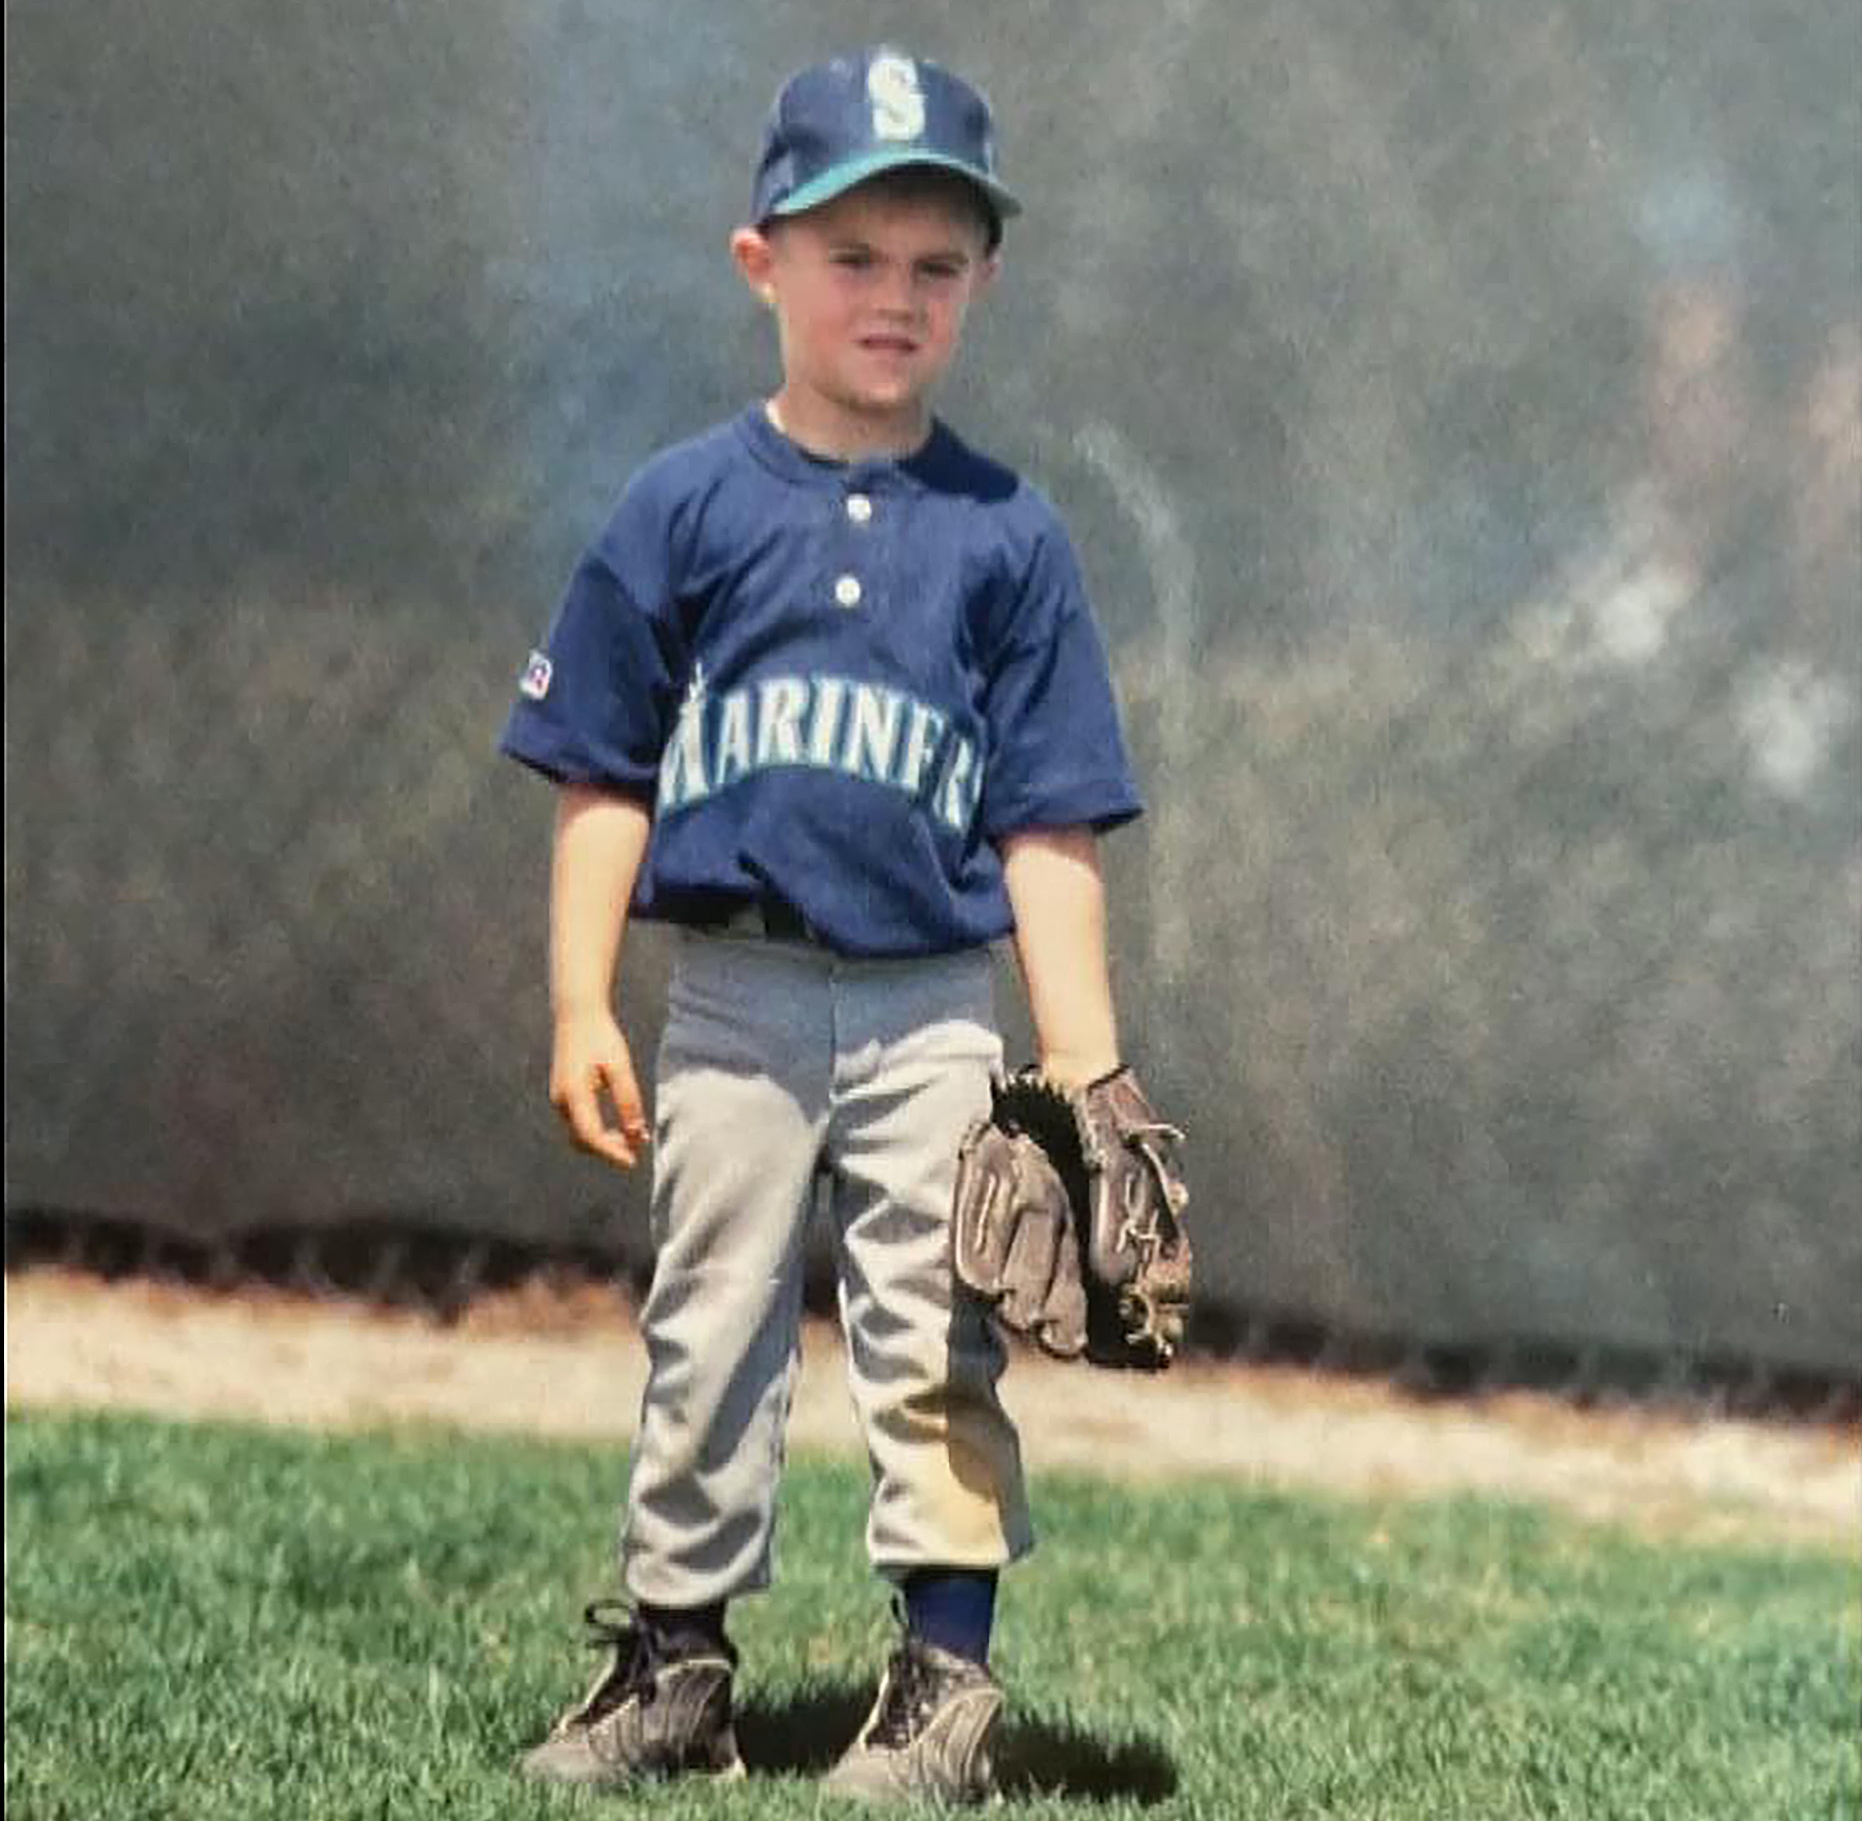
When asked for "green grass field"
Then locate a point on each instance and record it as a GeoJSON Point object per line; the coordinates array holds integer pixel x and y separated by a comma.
{"type": "Point", "coordinates": [226, 1625]}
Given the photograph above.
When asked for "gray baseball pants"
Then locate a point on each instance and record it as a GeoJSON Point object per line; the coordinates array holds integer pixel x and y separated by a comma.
{"type": "Point", "coordinates": [782, 1062]}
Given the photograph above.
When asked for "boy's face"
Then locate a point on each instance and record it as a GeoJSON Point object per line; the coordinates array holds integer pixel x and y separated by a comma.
{"type": "Point", "coordinates": [870, 292]}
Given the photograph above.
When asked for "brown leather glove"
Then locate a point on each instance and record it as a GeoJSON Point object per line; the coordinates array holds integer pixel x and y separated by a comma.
{"type": "Point", "coordinates": [1067, 1219]}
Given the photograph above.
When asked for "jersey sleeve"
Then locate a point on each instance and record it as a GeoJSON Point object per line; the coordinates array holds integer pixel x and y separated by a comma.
{"type": "Point", "coordinates": [1056, 753]}
{"type": "Point", "coordinates": [596, 699]}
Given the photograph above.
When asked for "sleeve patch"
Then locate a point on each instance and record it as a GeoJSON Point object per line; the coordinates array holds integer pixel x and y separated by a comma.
{"type": "Point", "coordinates": [535, 682]}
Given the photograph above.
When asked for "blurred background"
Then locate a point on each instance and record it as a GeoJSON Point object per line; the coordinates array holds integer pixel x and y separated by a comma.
{"type": "Point", "coordinates": [1459, 412]}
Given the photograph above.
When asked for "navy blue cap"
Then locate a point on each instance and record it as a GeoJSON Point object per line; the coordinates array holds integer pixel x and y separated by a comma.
{"type": "Point", "coordinates": [842, 122]}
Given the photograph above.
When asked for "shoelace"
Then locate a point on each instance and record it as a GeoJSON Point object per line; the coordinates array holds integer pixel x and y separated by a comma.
{"type": "Point", "coordinates": [911, 1688]}
{"type": "Point", "coordinates": [613, 1627]}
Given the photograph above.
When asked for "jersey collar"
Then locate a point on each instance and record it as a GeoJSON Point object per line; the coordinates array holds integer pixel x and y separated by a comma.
{"type": "Point", "coordinates": [918, 471]}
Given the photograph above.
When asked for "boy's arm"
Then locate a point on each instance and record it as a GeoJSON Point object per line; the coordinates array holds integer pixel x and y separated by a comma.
{"type": "Point", "coordinates": [1058, 895]}
{"type": "Point", "coordinates": [600, 841]}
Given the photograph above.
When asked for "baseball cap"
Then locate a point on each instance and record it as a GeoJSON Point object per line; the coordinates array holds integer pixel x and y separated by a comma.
{"type": "Point", "coordinates": [844, 121]}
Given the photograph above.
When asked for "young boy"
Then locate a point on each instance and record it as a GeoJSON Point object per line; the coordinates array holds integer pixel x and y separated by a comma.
{"type": "Point", "coordinates": [826, 695]}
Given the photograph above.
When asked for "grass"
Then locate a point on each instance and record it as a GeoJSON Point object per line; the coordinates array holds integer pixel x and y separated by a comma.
{"type": "Point", "coordinates": [219, 1623]}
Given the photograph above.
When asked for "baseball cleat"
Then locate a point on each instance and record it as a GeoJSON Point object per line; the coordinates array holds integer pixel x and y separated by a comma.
{"type": "Point", "coordinates": [646, 1716]}
{"type": "Point", "coordinates": [929, 1735]}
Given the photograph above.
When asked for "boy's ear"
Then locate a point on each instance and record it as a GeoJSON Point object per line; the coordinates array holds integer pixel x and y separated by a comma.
{"type": "Point", "coordinates": [756, 259]}
{"type": "Point", "coordinates": [987, 270]}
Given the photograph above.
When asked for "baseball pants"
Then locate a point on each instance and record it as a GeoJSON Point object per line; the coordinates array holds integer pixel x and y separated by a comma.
{"type": "Point", "coordinates": [782, 1064]}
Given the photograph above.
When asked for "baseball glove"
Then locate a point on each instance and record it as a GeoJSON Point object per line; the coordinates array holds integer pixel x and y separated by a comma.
{"type": "Point", "coordinates": [1068, 1219]}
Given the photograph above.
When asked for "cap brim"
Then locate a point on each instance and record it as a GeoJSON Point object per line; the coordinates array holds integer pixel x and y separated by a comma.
{"type": "Point", "coordinates": [842, 177]}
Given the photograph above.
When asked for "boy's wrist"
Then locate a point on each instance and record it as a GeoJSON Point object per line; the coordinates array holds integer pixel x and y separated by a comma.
{"type": "Point", "coordinates": [1080, 1068]}
{"type": "Point", "coordinates": [580, 1007]}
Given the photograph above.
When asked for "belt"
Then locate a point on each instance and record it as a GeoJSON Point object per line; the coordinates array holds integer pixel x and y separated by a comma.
{"type": "Point", "coordinates": [770, 917]}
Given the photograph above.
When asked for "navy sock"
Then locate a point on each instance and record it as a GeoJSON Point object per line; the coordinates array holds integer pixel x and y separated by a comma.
{"type": "Point", "coordinates": [953, 1608]}
{"type": "Point", "coordinates": [686, 1631]}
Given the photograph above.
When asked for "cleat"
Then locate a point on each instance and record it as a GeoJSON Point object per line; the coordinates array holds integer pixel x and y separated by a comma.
{"type": "Point", "coordinates": [929, 1736]}
{"type": "Point", "coordinates": [646, 1716]}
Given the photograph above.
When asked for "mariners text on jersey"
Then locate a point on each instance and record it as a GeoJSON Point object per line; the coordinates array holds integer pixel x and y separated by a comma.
{"type": "Point", "coordinates": [837, 684]}
{"type": "Point", "coordinates": [865, 730]}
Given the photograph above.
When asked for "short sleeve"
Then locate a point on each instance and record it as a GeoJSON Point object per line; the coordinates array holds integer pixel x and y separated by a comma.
{"type": "Point", "coordinates": [596, 699]}
{"type": "Point", "coordinates": [1057, 756]}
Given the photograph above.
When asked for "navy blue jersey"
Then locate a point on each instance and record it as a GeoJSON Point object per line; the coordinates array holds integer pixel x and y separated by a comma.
{"type": "Point", "coordinates": [838, 684]}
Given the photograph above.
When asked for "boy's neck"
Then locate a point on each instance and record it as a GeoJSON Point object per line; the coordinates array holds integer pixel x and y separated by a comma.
{"type": "Point", "coordinates": [844, 437]}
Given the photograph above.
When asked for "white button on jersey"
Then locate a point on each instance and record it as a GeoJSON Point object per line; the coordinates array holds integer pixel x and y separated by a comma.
{"type": "Point", "coordinates": [847, 591]}
{"type": "Point", "coordinates": [859, 508]}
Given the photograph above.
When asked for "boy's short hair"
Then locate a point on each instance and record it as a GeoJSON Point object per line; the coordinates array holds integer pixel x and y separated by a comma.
{"type": "Point", "coordinates": [874, 113]}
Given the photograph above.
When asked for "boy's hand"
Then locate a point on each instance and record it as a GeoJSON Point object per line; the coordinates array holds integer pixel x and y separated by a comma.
{"type": "Point", "coordinates": [591, 1057]}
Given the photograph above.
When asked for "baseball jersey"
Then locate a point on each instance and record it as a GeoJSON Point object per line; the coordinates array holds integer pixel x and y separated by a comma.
{"type": "Point", "coordinates": [837, 684]}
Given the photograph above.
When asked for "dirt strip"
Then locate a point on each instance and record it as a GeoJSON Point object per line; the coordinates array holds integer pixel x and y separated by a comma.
{"type": "Point", "coordinates": [529, 1365]}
